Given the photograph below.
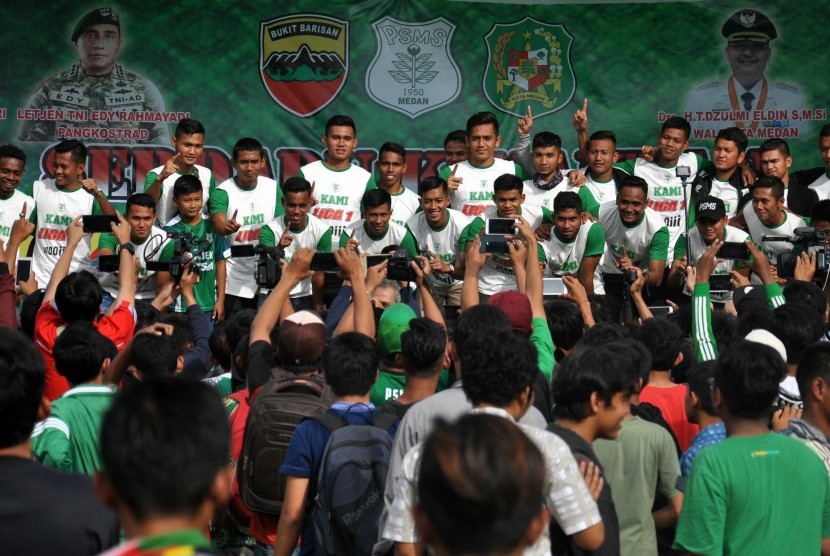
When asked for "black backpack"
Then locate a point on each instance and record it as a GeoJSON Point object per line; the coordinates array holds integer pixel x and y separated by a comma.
{"type": "Point", "coordinates": [275, 413]}
{"type": "Point", "coordinates": [349, 500]}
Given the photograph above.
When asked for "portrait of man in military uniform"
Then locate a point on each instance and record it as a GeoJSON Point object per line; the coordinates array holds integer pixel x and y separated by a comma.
{"type": "Point", "coordinates": [96, 99]}
{"type": "Point", "coordinates": [748, 92]}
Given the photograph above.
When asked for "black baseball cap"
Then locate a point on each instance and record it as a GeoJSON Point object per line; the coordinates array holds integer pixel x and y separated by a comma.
{"type": "Point", "coordinates": [711, 208]}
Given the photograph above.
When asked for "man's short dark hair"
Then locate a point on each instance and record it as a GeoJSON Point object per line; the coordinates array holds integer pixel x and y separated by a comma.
{"type": "Point", "coordinates": [736, 135]}
{"type": "Point", "coordinates": [154, 356]}
{"type": "Point", "coordinates": [748, 375]}
{"type": "Point", "coordinates": [772, 183]}
{"type": "Point", "coordinates": [78, 296]}
{"type": "Point", "coordinates": [497, 368]}
{"type": "Point", "coordinates": [567, 200]}
{"type": "Point", "coordinates": [663, 340]}
{"type": "Point", "coordinates": [805, 293]}
{"type": "Point", "coordinates": [182, 334]}
{"type": "Point", "coordinates": [189, 126]}
{"type": "Point", "coordinates": [376, 198]}
{"type": "Point", "coordinates": [801, 325]}
{"type": "Point", "coordinates": [635, 182]}
{"type": "Point", "coordinates": [80, 351]}
{"type": "Point", "coordinates": [423, 347]}
{"type": "Point", "coordinates": [140, 200]}
{"type": "Point", "coordinates": [350, 363]}
{"type": "Point", "coordinates": [297, 184]}
{"type": "Point", "coordinates": [608, 370]}
{"type": "Point", "coordinates": [602, 333]}
{"type": "Point", "coordinates": [163, 443]}
{"type": "Point", "coordinates": [11, 151]}
{"type": "Point", "coordinates": [392, 147]}
{"type": "Point", "coordinates": [218, 345]}
{"type": "Point", "coordinates": [22, 377]}
{"type": "Point", "coordinates": [701, 382]}
{"type": "Point", "coordinates": [821, 211]}
{"type": "Point", "coordinates": [545, 139]}
{"type": "Point", "coordinates": [565, 322]}
{"type": "Point", "coordinates": [605, 308]}
{"type": "Point", "coordinates": [482, 118]}
{"type": "Point", "coordinates": [478, 321]}
{"type": "Point", "coordinates": [432, 182]}
{"type": "Point", "coordinates": [774, 144]}
{"type": "Point", "coordinates": [676, 122]}
{"type": "Point", "coordinates": [815, 363]}
{"type": "Point", "coordinates": [77, 150]}
{"type": "Point", "coordinates": [339, 120]}
{"type": "Point", "coordinates": [186, 184]}
{"type": "Point", "coordinates": [823, 132]}
{"type": "Point", "coordinates": [475, 507]}
{"type": "Point", "coordinates": [603, 135]}
{"type": "Point", "coordinates": [508, 182]}
{"type": "Point", "coordinates": [247, 144]}
{"type": "Point", "coordinates": [459, 135]}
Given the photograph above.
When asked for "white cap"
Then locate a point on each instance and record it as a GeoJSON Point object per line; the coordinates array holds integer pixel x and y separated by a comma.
{"type": "Point", "coordinates": [761, 336]}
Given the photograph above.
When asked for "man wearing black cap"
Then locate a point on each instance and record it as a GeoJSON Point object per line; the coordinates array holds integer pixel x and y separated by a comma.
{"type": "Point", "coordinates": [101, 88]}
{"type": "Point", "coordinates": [711, 224]}
{"type": "Point", "coordinates": [748, 34]}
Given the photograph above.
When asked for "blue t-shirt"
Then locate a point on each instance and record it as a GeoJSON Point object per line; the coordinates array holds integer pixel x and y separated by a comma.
{"type": "Point", "coordinates": [305, 453]}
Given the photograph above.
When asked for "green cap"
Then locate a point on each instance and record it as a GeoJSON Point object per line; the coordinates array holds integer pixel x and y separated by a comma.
{"type": "Point", "coordinates": [98, 16]}
{"type": "Point", "coordinates": [393, 322]}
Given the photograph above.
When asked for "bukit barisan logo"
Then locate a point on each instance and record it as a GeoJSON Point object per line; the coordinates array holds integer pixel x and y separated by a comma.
{"type": "Point", "coordinates": [413, 71]}
{"type": "Point", "coordinates": [304, 61]}
{"type": "Point", "coordinates": [529, 64]}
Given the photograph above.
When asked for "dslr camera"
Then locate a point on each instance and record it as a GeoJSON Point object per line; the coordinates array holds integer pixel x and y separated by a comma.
{"type": "Point", "coordinates": [812, 240]}
{"type": "Point", "coordinates": [399, 268]}
{"type": "Point", "coordinates": [268, 268]}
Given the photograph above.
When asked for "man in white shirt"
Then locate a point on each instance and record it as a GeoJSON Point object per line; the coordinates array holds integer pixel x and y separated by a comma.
{"type": "Point", "coordinates": [471, 181]}
{"type": "Point", "coordinates": [250, 200]}
{"type": "Point", "coordinates": [189, 144]}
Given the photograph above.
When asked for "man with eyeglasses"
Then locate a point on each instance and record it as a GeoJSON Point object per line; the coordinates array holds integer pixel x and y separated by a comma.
{"type": "Point", "coordinates": [747, 99]}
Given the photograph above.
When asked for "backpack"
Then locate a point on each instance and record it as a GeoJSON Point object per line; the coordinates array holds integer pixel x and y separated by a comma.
{"type": "Point", "coordinates": [275, 413]}
{"type": "Point", "coordinates": [349, 500]}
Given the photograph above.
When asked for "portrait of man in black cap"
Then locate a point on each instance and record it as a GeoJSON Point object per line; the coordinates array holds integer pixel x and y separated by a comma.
{"type": "Point", "coordinates": [97, 87]}
{"type": "Point", "coordinates": [734, 101]}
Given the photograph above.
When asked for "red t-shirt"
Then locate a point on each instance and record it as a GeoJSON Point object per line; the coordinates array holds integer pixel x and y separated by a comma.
{"type": "Point", "coordinates": [118, 327]}
{"type": "Point", "coordinates": [672, 404]}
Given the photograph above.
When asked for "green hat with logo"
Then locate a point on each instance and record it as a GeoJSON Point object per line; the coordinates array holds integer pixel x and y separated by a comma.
{"type": "Point", "coordinates": [393, 322]}
{"type": "Point", "coordinates": [98, 16]}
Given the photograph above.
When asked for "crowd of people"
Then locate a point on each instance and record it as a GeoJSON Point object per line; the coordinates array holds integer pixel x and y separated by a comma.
{"type": "Point", "coordinates": [400, 374]}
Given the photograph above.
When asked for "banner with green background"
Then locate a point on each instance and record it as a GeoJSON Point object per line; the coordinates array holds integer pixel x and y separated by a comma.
{"type": "Point", "coordinates": [408, 71]}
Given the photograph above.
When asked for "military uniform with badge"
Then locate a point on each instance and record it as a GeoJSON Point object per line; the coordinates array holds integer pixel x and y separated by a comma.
{"type": "Point", "coordinates": [94, 106]}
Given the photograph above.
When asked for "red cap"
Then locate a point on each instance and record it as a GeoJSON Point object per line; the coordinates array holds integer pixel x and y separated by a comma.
{"type": "Point", "coordinates": [517, 308]}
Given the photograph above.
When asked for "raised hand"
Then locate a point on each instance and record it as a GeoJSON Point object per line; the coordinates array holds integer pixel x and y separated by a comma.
{"type": "Point", "coordinates": [525, 123]}
{"type": "Point", "coordinates": [231, 225]}
{"type": "Point", "coordinates": [286, 239]}
{"type": "Point", "coordinates": [580, 118]}
{"type": "Point", "coordinates": [454, 182]}
{"type": "Point", "coordinates": [171, 166]}
{"type": "Point", "coordinates": [353, 244]}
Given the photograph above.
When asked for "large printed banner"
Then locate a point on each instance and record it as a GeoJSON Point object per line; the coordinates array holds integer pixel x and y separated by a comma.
{"type": "Point", "coordinates": [120, 76]}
